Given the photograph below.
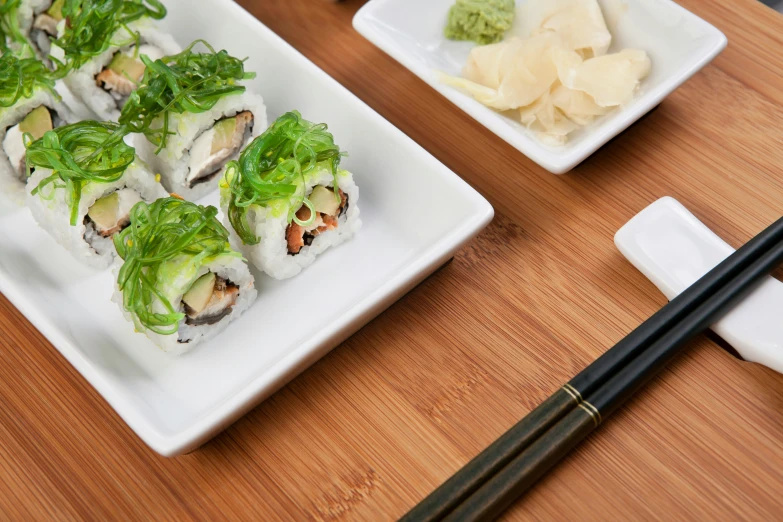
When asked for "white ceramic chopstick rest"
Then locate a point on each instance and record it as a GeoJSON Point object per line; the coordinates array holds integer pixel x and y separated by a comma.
{"type": "Point", "coordinates": [673, 249]}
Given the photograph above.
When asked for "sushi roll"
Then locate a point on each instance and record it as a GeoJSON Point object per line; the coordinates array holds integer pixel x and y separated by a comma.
{"type": "Point", "coordinates": [286, 199]}
{"type": "Point", "coordinates": [83, 185]}
{"type": "Point", "coordinates": [193, 115]}
{"type": "Point", "coordinates": [27, 26]}
{"type": "Point", "coordinates": [178, 280]}
{"type": "Point", "coordinates": [38, 21]}
{"type": "Point", "coordinates": [29, 106]}
{"type": "Point", "coordinates": [101, 46]}
{"type": "Point", "coordinates": [44, 17]}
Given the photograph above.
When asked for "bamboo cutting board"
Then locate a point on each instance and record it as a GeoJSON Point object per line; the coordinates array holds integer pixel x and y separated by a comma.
{"type": "Point", "coordinates": [386, 417]}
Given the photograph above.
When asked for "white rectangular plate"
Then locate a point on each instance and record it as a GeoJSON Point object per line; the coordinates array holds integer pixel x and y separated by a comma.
{"type": "Point", "coordinates": [416, 214]}
{"type": "Point", "coordinates": [679, 44]}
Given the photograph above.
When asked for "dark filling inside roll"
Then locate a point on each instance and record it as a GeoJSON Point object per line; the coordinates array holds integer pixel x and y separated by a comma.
{"type": "Point", "coordinates": [217, 146]}
{"type": "Point", "coordinates": [36, 123]}
{"type": "Point", "coordinates": [328, 212]}
{"type": "Point", "coordinates": [124, 72]}
{"type": "Point", "coordinates": [119, 78]}
{"type": "Point", "coordinates": [210, 299]}
{"type": "Point", "coordinates": [45, 26]}
{"type": "Point", "coordinates": [108, 216]}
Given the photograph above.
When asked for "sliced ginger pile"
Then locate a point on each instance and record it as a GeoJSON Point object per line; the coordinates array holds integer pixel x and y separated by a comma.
{"type": "Point", "coordinates": [559, 77]}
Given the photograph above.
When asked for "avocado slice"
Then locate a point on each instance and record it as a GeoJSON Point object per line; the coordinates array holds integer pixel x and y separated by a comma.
{"type": "Point", "coordinates": [37, 123]}
{"type": "Point", "coordinates": [56, 10]}
{"type": "Point", "coordinates": [324, 201]}
{"type": "Point", "coordinates": [224, 134]}
{"type": "Point", "coordinates": [127, 66]}
{"type": "Point", "coordinates": [200, 293]}
{"type": "Point", "coordinates": [104, 211]}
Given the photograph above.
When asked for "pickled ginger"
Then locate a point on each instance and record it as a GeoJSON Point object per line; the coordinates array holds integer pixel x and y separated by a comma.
{"type": "Point", "coordinates": [554, 70]}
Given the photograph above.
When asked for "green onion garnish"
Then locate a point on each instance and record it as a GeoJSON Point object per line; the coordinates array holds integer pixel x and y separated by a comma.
{"type": "Point", "coordinates": [187, 82]}
{"type": "Point", "coordinates": [78, 154]}
{"type": "Point", "coordinates": [20, 77]}
{"type": "Point", "coordinates": [93, 26]}
{"type": "Point", "coordinates": [274, 166]}
{"type": "Point", "coordinates": [158, 233]}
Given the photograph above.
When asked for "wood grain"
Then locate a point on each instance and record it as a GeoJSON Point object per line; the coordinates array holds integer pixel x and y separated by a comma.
{"type": "Point", "coordinates": [387, 416]}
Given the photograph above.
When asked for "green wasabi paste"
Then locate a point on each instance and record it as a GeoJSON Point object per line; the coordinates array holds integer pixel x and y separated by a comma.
{"type": "Point", "coordinates": [482, 21]}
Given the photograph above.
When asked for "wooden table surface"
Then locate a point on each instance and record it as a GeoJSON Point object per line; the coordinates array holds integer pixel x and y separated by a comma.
{"type": "Point", "coordinates": [387, 416]}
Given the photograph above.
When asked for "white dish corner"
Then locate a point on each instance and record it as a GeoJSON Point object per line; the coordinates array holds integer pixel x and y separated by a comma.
{"type": "Point", "coordinates": [678, 42]}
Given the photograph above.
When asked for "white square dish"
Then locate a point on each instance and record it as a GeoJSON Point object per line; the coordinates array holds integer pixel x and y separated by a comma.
{"type": "Point", "coordinates": [177, 403]}
{"type": "Point", "coordinates": [678, 42]}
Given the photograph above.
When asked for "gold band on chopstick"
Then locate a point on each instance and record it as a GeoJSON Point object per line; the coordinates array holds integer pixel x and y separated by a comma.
{"type": "Point", "coordinates": [592, 411]}
{"type": "Point", "coordinates": [573, 392]}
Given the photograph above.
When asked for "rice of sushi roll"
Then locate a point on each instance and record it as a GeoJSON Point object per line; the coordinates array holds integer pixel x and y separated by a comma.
{"type": "Point", "coordinates": [83, 187]}
{"type": "Point", "coordinates": [106, 65]}
{"type": "Point", "coordinates": [178, 280]}
{"type": "Point", "coordinates": [203, 143]}
{"type": "Point", "coordinates": [37, 23]}
{"type": "Point", "coordinates": [188, 139]}
{"type": "Point", "coordinates": [45, 16]}
{"type": "Point", "coordinates": [286, 200]}
{"type": "Point", "coordinates": [29, 105]}
{"type": "Point", "coordinates": [29, 25]}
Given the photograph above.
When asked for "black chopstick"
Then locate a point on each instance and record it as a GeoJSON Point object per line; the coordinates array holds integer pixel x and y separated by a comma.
{"type": "Point", "coordinates": [490, 461]}
{"type": "Point", "coordinates": [494, 496]}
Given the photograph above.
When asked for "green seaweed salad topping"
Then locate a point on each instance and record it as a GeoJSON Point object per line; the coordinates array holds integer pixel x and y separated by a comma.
{"type": "Point", "coordinates": [274, 166]}
{"type": "Point", "coordinates": [188, 82]}
{"type": "Point", "coordinates": [19, 77]}
{"type": "Point", "coordinates": [9, 25]}
{"type": "Point", "coordinates": [96, 152]}
{"type": "Point", "coordinates": [95, 25]}
{"type": "Point", "coordinates": [158, 233]}
{"type": "Point", "coordinates": [78, 154]}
